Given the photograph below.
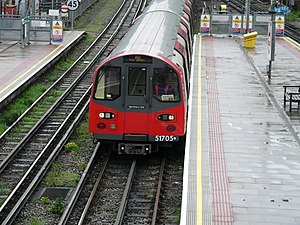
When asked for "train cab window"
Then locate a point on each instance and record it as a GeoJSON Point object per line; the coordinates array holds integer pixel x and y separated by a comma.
{"type": "Point", "coordinates": [165, 85]}
{"type": "Point", "coordinates": [108, 83]}
{"type": "Point", "coordinates": [137, 81]}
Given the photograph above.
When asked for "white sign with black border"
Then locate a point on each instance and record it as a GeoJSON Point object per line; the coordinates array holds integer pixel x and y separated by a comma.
{"type": "Point", "coordinates": [73, 4]}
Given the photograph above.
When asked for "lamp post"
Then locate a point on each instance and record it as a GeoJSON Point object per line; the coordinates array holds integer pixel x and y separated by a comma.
{"type": "Point", "coordinates": [247, 11]}
{"type": "Point", "coordinates": [271, 38]}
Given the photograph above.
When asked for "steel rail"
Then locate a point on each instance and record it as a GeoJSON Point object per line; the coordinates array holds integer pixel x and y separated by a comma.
{"type": "Point", "coordinates": [65, 216]}
{"type": "Point", "coordinates": [60, 100]}
{"type": "Point", "coordinates": [9, 219]}
{"type": "Point", "coordinates": [55, 84]}
{"type": "Point", "coordinates": [139, 10]}
{"type": "Point", "coordinates": [67, 212]}
{"type": "Point", "coordinates": [159, 186]}
{"type": "Point", "coordinates": [126, 192]}
{"type": "Point", "coordinates": [91, 197]}
{"type": "Point", "coordinates": [31, 133]}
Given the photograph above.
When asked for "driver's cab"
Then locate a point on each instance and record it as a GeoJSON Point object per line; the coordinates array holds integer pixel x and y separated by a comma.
{"type": "Point", "coordinates": [166, 84]}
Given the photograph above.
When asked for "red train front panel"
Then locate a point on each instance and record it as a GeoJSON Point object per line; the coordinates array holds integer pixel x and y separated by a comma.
{"type": "Point", "coordinates": [137, 98]}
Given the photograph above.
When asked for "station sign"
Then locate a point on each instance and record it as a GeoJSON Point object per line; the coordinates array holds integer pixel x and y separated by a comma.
{"type": "Point", "coordinates": [53, 12]}
{"type": "Point", "coordinates": [57, 31]}
{"type": "Point", "coordinates": [25, 20]}
{"type": "Point", "coordinates": [205, 24]}
{"type": "Point", "coordinates": [279, 25]}
{"type": "Point", "coordinates": [236, 24]}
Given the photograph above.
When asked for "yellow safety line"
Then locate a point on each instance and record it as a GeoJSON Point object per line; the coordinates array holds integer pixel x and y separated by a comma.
{"type": "Point", "coordinates": [199, 143]}
{"type": "Point", "coordinates": [35, 65]}
{"type": "Point", "coordinates": [290, 42]}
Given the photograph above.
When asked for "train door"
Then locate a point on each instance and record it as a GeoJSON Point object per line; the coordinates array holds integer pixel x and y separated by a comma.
{"type": "Point", "coordinates": [136, 100]}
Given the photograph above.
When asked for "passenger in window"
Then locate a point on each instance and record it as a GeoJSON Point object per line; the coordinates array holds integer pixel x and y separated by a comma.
{"type": "Point", "coordinates": [161, 87]}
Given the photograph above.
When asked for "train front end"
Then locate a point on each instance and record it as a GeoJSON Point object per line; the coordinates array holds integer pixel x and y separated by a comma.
{"type": "Point", "coordinates": [138, 103]}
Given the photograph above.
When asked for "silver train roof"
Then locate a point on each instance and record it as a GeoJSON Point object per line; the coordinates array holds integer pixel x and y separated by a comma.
{"type": "Point", "coordinates": [155, 31]}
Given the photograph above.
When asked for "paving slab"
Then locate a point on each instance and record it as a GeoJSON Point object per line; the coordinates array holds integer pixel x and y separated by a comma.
{"type": "Point", "coordinates": [253, 151]}
{"type": "Point", "coordinates": [19, 65]}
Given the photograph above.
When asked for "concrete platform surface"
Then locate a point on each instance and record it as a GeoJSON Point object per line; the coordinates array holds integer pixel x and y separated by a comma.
{"type": "Point", "coordinates": [18, 65]}
{"type": "Point", "coordinates": [243, 151]}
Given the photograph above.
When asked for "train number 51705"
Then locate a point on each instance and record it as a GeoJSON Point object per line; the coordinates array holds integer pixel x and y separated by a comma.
{"type": "Point", "coordinates": [165, 138]}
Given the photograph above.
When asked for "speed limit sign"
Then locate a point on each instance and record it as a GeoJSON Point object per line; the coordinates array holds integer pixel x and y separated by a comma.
{"type": "Point", "coordinates": [73, 4]}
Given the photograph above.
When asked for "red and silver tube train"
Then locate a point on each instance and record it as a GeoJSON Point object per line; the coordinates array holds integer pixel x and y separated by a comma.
{"type": "Point", "coordinates": [140, 92]}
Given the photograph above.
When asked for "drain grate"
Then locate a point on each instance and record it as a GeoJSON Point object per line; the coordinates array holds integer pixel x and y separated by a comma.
{"type": "Point", "coordinates": [54, 193]}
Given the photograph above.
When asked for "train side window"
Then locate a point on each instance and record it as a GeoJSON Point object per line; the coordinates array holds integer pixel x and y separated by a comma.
{"type": "Point", "coordinates": [108, 83]}
{"type": "Point", "coordinates": [137, 81]}
{"type": "Point", "coordinates": [165, 85]}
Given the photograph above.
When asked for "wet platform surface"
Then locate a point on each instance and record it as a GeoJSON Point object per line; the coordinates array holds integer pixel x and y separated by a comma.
{"type": "Point", "coordinates": [18, 65]}
{"type": "Point", "coordinates": [249, 151]}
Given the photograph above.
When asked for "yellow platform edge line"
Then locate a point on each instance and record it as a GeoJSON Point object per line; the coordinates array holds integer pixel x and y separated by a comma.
{"type": "Point", "coordinates": [291, 42]}
{"type": "Point", "coordinates": [31, 68]}
{"type": "Point", "coordinates": [199, 140]}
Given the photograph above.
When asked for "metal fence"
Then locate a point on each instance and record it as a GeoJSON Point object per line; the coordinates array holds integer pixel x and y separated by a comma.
{"type": "Point", "coordinates": [70, 16]}
{"type": "Point", "coordinates": [10, 28]}
{"type": "Point", "coordinates": [33, 28]}
{"type": "Point", "coordinates": [221, 23]}
{"type": "Point", "coordinates": [25, 30]}
{"type": "Point", "coordinates": [260, 22]}
{"type": "Point", "coordinates": [40, 29]}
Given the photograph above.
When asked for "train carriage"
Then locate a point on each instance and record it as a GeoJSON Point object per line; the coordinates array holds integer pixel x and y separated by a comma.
{"type": "Point", "coordinates": [139, 95]}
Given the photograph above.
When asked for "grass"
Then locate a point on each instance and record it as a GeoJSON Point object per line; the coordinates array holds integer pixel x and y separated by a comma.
{"type": "Point", "coordinates": [97, 18]}
{"type": "Point", "coordinates": [176, 219]}
{"type": "Point", "coordinates": [15, 110]}
{"type": "Point", "coordinates": [55, 207]}
{"type": "Point", "coordinates": [82, 132]}
{"type": "Point", "coordinates": [81, 165]}
{"type": "Point", "coordinates": [293, 16]}
{"type": "Point", "coordinates": [5, 191]}
{"type": "Point", "coordinates": [88, 39]}
{"type": "Point", "coordinates": [30, 120]}
{"type": "Point", "coordinates": [63, 65]}
{"type": "Point", "coordinates": [45, 200]}
{"type": "Point", "coordinates": [58, 178]}
{"type": "Point", "coordinates": [22, 103]}
{"type": "Point", "coordinates": [36, 221]}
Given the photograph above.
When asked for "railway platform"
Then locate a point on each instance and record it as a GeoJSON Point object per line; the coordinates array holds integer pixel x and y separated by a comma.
{"type": "Point", "coordinates": [19, 65]}
{"type": "Point", "coordinates": [242, 161]}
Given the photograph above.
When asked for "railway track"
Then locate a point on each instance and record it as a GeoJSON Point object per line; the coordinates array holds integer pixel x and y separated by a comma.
{"type": "Point", "coordinates": [129, 190]}
{"type": "Point", "coordinates": [35, 139]}
{"type": "Point", "coordinates": [133, 187]}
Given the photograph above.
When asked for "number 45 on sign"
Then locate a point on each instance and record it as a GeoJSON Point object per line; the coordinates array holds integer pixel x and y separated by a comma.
{"type": "Point", "coordinates": [73, 4]}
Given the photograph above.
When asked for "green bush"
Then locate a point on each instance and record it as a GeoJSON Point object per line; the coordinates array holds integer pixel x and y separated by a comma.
{"type": "Point", "coordinates": [36, 221]}
{"type": "Point", "coordinates": [71, 146]}
{"type": "Point", "coordinates": [293, 16]}
{"type": "Point", "coordinates": [45, 200]}
{"type": "Point", "coordinates": [57, 206]}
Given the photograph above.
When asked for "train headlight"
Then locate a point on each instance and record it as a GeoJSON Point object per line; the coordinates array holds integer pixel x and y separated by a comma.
{"type": "Point", "coordinates": [166, 117]}
{"type": "Point", "coordinates": [171, 117]}
{"type": "Point", "coordinates": [101, 115]}
{"type": "Point", "coordinates": [107, 115]}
